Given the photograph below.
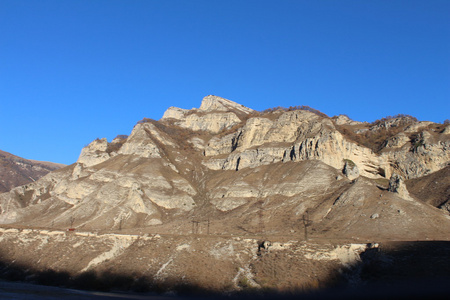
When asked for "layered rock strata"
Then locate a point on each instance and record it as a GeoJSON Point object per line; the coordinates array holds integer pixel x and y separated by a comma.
{"type": "Point", "coordinates": [249, 170]}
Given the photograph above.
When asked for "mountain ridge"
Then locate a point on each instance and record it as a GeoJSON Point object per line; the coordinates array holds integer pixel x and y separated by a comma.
{"type": "Point", "coordinates": [249, 171]}
{"type": "Point", "coordinates": [17, 171]}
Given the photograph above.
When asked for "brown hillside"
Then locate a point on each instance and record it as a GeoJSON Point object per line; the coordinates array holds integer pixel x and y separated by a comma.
{"type": "Point", "coordinates": [16, 171]}
{"type": "Point", "coordinates": [433, 189]}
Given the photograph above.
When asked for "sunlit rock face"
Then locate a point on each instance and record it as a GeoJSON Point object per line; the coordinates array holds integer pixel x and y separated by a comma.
{"type": "Point", "coordinates": [227, 162]}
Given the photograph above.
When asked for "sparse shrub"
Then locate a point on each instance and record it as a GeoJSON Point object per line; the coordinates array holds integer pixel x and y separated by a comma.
{"type": "Point", "coordinates": [273, 109]}
{"type": "Point", "coordinates": [417, 144]}
{"type": "Point", "coordinates": [377, 139]}
{"type": "Point", "coordinates": [14, 274]}
{"type": "Point", "coordinates": [350, 163]}
{"type": "Point", "coordinates": [141, 285]}
{"type": "Point", "coordinates": [52, 277]}
{"type": "Point", "coordinates": [407, 119]}
{"type": "Point", "coordinates": [180, 135]}
{"type": "Point", "coordinates": [243, 282]}
{"type": "Point", "coordinates": [109, 280]}
{"type": "Point", "coordinates": [87, 281]}
{"type": "Point", "coordinates": [145, 120]}
{"type": "Point", "coordinates": [293, 108]}
{"type": "Point", "coordinates": [114, 147]}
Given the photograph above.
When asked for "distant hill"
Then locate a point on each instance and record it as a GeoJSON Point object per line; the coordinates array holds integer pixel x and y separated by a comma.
{"type": "Point", "coordinates": [16, 171]}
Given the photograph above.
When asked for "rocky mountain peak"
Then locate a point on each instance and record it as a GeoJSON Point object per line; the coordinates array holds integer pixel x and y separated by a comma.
{"type": "Point", "coordinates": [215, 103]}
{"type": "Point", "coordinates": [225, 160]}
{"type": "Point", "coordinates": [214, 115]}
{"type": "Point", "coordinates": [210, 104]}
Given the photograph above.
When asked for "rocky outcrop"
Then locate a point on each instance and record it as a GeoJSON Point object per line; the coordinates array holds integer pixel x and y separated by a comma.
{"type": "Point", "coordinates": [212, 122]}
{"type": "Point", "coordinates": [333, 149]}
{"type": "Point", "coordinates": [213, 103]}
{"type": "Point", "coordinates": [174, 113]}
{"type": "Point", "coordinates": [302, 135]}
{"type": "Point", "coordinates": [418, 126]}
{"type": "Point", "coordinates": [397, 185]}
{"type": "Point", "coordinates": [143, 142]}
{"type": "Point", "coordinates": [293, 136]}
{"type": "Point", "coordinates": [446, 130]}
{"type": "Point", "coordinates": [350, 169]}
{"type": "Point", "coordinates": [214, 115]}
{"type": "Point", "coordinates": [102, 198]}
{"type": "Point", "coordinates": [345, 120]}
{"type": "Point", "coordinates": [140, 142]}
{"type": "Point", "coordinates": [94, 153]}
{"type": "Point", "coordinates": [445, 207]}
{"type": "Point", "coordinates": [422, 155]}
{"type": "Point", "coordinates": [28, 195]}
{"type": "Point", "coordinates": [397, 141]}
{"type": "Point", "coordinates": [393, 122]}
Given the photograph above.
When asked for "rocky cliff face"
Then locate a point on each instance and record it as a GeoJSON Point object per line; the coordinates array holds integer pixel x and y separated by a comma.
{"type": "Point", "coordinates": [214, 115]}
{"type": "Point", "coordinates": [246, 172]}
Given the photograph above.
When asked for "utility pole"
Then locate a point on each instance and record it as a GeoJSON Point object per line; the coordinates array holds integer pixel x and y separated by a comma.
{"type": "Point", "coordinates": [306, 223]}
{"type": "Point", "coordinates": [261, 226]}
{"type": "Point", "coordinates": [120, 223]}
{"type": "Point", "coordinates": [195, 226]}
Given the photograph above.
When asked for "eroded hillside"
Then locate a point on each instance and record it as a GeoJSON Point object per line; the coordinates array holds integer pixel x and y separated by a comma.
{"type": "Point", "coordinates": [246, 172]}
{"type": "Point", "coordinates": [224, 198]}
{"type": "Point", "coordinates": [220, 264]}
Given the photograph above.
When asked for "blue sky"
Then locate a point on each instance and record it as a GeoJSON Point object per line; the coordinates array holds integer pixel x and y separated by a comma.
{"type": "Point", "coordinates": [72, 71]}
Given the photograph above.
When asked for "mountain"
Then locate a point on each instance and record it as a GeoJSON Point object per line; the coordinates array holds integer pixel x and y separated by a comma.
{"type": "Point", "coordinates": [224, 198]}
{"type": "Point", "coordinates": [16, 171]}
{"type": "Point", "coordinates": [245, 172]}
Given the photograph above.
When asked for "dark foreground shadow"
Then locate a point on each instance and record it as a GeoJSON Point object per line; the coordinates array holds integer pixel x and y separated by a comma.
{"type": "Point", "coordinates": [394, 270]}
{"type": "Point", "coordinates": [400, 270]}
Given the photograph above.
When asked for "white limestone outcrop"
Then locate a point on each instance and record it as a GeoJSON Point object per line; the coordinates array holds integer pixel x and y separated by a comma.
{"type": "Point", "coordinates": [140, 143]}
{"type": "Point", "coordinates": [94, 153]}
{"type": "Point", "coordinates": [214, 115]}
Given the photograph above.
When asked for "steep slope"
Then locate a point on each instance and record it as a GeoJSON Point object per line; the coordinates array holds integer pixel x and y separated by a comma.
{"type": "Point", "coordinates": [16, 171]}
{"type": "Point", "coordinates": [433, 189]}
{"type": "Point", "coordinates": [226, 169]}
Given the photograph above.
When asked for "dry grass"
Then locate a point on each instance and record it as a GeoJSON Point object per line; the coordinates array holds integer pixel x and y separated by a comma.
{"type": "Point", "coordinates": [293, 108]}
{"type": "Point", "coordinates": [372, 139]}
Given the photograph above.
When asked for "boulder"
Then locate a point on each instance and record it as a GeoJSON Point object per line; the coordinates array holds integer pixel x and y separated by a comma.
{"type": "Point", "coordinates": [350, 170]}
{"type": "Point", "coordinates": [397, 185]}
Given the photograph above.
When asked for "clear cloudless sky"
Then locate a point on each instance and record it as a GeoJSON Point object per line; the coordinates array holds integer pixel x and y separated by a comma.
{"type": "Point", "coordinates": [75, 70]}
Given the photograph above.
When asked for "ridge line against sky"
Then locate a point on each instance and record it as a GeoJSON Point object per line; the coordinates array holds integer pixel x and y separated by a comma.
{"type": "Point", "coordinates": [72, 71]}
